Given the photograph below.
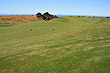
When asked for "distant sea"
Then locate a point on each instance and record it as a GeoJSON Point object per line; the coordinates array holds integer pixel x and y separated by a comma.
{"type": "Point", "coordinates": [56, 15]}
{"type": "Point", "coordinates": [81, 15]}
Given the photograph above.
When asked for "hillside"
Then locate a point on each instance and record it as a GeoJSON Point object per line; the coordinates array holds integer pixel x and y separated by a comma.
{"type": "Point", "coordinates": [17, 19]}
{"type": "Point", "coordinates": [76, 45]}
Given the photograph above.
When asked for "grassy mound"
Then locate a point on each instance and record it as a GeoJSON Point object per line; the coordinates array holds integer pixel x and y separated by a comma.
{"type": "Point", "coordinates": [62, 19]}
{"type": "Point", "coordinates": [76, 45]}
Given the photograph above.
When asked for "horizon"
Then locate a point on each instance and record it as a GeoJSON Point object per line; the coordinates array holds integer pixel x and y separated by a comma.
{"type": "Point", "coordinates": [62, 7]}
{"type": "Point", "coordinates": [57, 14]}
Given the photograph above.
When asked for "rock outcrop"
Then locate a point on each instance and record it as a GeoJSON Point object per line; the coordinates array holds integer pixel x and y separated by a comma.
{"type": "Point", "coordinates": [107, 17]}
{"type": "Point", "coordinates": [46, 16]}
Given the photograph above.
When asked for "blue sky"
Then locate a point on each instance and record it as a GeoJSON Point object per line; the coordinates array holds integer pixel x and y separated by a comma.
{"type": "Point", "coordinates": [70, 7]}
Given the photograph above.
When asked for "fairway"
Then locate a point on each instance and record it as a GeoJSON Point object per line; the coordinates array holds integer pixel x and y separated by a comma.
{"type": "Point", "coordinates": [76, 45]}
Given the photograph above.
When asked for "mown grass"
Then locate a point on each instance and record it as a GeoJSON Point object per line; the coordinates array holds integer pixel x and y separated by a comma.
{"type": "Point", "coordinates": [76, 45]}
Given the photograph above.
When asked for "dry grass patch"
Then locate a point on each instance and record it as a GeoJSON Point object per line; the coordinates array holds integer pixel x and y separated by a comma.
{"type": "Point", "coordinates": [88, 48]}
{"type": "Point", "coordinates": [17, 19]}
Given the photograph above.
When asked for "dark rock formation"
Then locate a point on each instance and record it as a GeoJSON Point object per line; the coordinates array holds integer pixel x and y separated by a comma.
{"type": "Point", "coordinates": [39, 15]}
{"type": "Point", "coordinates": [107, 17]}
{"type": "Point", "coordinates": [46, 16]}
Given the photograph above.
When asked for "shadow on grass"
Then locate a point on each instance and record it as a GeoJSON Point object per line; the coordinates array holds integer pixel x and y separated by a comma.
{"type": "Point", "coordinates": [5, 24]}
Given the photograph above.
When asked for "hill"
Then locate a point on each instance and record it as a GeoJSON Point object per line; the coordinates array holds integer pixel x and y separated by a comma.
{"type": "Point", "coordinates": [17, 19]}
{"type": "Point", "coordinates": [76, 45]}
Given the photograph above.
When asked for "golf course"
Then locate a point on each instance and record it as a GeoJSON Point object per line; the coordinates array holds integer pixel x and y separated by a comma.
{"type": "Point", "coordinates": [63, 45]}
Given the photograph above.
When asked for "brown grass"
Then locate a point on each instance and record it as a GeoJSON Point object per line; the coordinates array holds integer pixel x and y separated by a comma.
{"type": "Point", "coordinates": [52, 19]}
{"type": "Point", "coordinates": [17, 19]}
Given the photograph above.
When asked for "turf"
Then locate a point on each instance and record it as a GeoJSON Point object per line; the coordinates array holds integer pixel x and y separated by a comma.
{"type": "Point", "coordinates": [76, 45]}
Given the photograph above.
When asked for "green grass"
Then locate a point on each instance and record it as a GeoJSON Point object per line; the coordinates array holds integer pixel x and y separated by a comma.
{"type": "Point", "coordinates": [77, 45]}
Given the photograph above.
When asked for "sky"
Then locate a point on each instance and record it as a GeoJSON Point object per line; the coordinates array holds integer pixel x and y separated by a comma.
{"type": "Point", "coordinates": [68, 7]}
